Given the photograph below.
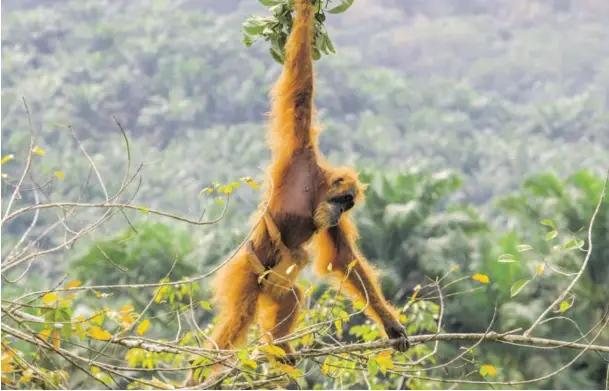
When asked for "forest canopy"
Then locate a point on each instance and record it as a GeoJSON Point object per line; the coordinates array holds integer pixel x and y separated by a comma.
{"type": "Point", "coordinates": [482, 128]}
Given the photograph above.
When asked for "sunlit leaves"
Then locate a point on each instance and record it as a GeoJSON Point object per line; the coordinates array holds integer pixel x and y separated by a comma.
{"type": "Point", "coordinates": [38, 151]}
{"type": "Point", "coordinates": [574, 243]}
{"type": "Point", "coordinates": [73, 284]}
{"type": "Point", "coordinates": [59, 174]}
{"type": "Point", "coordinates": [143, 327]}
{"type": "Point", "coordinates": [45, 334]}
{"type": "Point", "coordinates": [548, 223]}
{"type": "Point", "coordinates": [98, 318]}
{"type": "Point", "coordinates": [274, 350]}
{"type": "Point", "coordinates": [482, 278]}
{"type": "Point", "coordinates": [7, 158]}
{"type": "Point", "coordinates": [342, 7]}
{"type": "Point", "coordinates": [488, 370]}
{"type": "Point", "coordinates": [49, 298]}
{"type": "Point", "coordinates": [372, 367]}
{"type": "Point", "coordinates": [98, 333]}
{"type": "Point", "coordinates": [417, 288]}
{"type": "Point", "coordinates": [539, 269]}
{"type": "Point", "coordinates": [243, 356]}
{"type": "Point", "coordinates": [126, 308]}
{"type": "Point", "coordinates": [506, 258]}
{"type": "Point", "coordinates": [56, 340]}
{"type": "Point", "coordinates": [251, 182]}
{"type": "Point", "coordinates": [564, 306]}
{"type": "Point", "coordinates": [551, 235]}
{"type": "Point", "coordinates": [205, 305]}
{"type": "Point", "coordinates": [518, 286]}
{"type": "Point", "coordinates": [384, 361]}
{"type": "Point", "coordinates": [524, 247]}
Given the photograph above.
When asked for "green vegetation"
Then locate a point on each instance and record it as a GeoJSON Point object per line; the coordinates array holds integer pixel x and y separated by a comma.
{"type": "Point", "coordinates": [482, 129]}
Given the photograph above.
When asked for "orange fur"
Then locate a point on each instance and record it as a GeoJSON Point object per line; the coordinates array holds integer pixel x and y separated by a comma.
{"type": "Point", "coordinates": [302, 203]}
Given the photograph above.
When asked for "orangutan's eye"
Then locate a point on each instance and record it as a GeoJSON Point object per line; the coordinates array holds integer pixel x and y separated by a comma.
{"type": "Point", "coordinates": [337, 181]}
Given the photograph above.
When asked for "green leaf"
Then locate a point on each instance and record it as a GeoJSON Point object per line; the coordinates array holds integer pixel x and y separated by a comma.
{"type": "Point", "coordinates": [551, 235]}
{"type": "Point", "coordinates": [247, 40]}
{"type": "Point", "coordinates": [269, 3]}
{"type": "Point", "coordinates": [373, 367]}
{"type": "Point", "coordinates": [205, 305]}
{"type": "Point", "coordinates": [342, 7]}
{"type": "Point", "coordinates": [66, 331]}
{"type": "Point", "coordinates": [574, 243]}
{"type": "Point", "coordinates": [488, 369]}
{"type": "Point", "coordinates": [518, 286]}
{"type": "Point", "coordinates": [524, 247]}
{"type": "Point", "coordinates": [506, 258]}
{"type": "Point", "coordinates": [276, 56]}
{"type": "Point", "coordinates": [219, 201]}
{"type": "Point", "coordinates": [548, 223]}
{"type": "Point", "coordinates": [329, 44]}
{"type": "Point", "coordinates": [564, 305]}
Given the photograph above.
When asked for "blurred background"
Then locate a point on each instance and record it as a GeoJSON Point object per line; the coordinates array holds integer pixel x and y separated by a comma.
{"type": "Point", "coordinates": [472, 120]}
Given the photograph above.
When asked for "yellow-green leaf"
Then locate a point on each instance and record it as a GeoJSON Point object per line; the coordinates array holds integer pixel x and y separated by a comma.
{"type": "Point", "coordinates": [359, 305]}
{"type": "Point", "coordinates": [205, 305]}
{"type": "Point", "coordinates": [96, 332]}
{"type": "Point", "coordinates": [141, 329]}
{"type": "Point", "coordinates": [207, 190]}
{"type": "Point", "coordinates": [45, 334]}
{"type": "Point", "coordinates": [372, 367]}
{"type": "Point", "coordinates": [126, 308]}
{"type": "Point", "coordinates": [143, 209]}
{"type": "Point", "coordinates": [49, 298]}
{"type": "Point", "coordinates": [307, 339]}
{"type": "Point", "coordinates": [483, 278]}
{"type": "Point", "coordinates": [506, 258]}
{"type": "Point", "coordinates": [219, 201]}
{"type": "Point", "coordinates": [56, 340]}
{"type": "Point", "coordinates": [39, 151]}
{"type": "Point", "coordinates": [518, 286]}
{"type": "Point", "coordinates": [325, 368]}
{"type": "Point", "coordinates": [574, 243]}
{"type": "Point", "coordinates": [98, 318]}
{"type": "Point", "coordinates": [250, 363]}
{"type": "Point", "coordinates": [548, 223]}
{"type": "Point", "coordinates": [251, 182]}
{"type": "Point", "coordinates": [274, 350]}
{"type": "Point", "coordinates": [384, 361]}
{"type": "Point", "coordinates": [564, 305]}
{"type": "Point", "coordinates": [454, 268]}
{"type": "Point", "coordinates": [524, 247]}
{"type": "Point", "coordinates": [59, 174]}
{"type": "Point", "coordinates": [73, 284]}
{"type": "Point", "coordinates": [551, 235]}
{"type": "Point", "coordinates": [540, 269]}
{"type": "Point", "coordinates": [488, 369]}
{"type": "Point", "coordinates": [7, 158]}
